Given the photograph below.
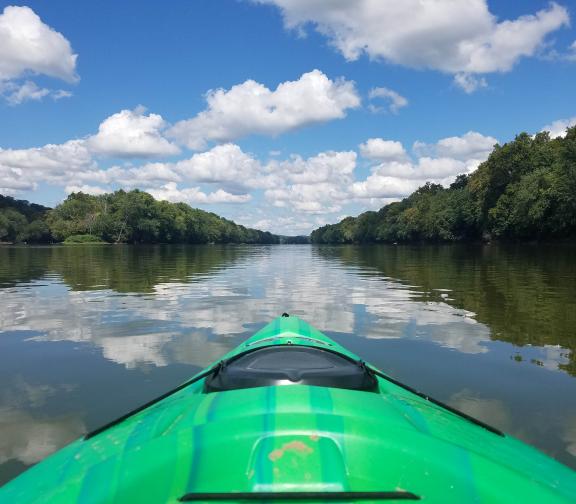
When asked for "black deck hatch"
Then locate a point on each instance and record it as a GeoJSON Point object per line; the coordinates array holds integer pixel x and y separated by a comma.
{"type": "Point", "coordinates": [290, 365]}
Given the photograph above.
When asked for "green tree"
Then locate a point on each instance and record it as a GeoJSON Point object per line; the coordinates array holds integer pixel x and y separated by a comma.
{"type": "Point", "coordinates": [523, 191]}
{"type": "Point", "coordinates": [12, 225]}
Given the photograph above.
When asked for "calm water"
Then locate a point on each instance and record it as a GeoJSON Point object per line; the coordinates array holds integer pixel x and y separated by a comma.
{"type": "Point", "coordinates": [86, 333]}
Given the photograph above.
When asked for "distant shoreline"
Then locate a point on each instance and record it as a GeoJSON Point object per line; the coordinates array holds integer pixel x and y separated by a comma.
{"type": "Point", "coordinates": [123, 217]}
{"type": "Point", "coordinates": [524, 192]}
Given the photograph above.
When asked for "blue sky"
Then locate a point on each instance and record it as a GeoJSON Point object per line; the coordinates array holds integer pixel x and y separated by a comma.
{"type": "Point", "coordinates": [318, 109]}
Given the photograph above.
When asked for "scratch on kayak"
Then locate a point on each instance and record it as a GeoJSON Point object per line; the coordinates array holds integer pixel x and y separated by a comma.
{"type": "Point", "coordinates": [172, 424]}
{"type": "Point", "coordinates": [295, 446]}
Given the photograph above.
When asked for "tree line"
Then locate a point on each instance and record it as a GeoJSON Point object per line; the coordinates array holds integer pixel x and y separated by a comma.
{"type": "Point", "coordinates": [21, 221]}
{"type": "Point", "coordinates": [120, 217]}
{"type": "Point", "coordinates": [525, 190]}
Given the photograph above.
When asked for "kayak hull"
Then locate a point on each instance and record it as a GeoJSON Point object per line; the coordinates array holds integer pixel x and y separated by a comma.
{"type": "Point", "coordinates": [304, 439]}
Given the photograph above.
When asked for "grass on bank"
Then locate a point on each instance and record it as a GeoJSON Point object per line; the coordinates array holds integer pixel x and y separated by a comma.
{"type": "Point", "coordinates": [83, 239]}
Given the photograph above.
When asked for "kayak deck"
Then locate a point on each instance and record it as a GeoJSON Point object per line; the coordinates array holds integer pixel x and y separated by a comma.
{"type": "Point", "coordinates": [318, 443]}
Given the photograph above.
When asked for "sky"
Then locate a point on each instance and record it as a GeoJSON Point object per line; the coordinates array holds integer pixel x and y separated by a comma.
{"type": "Point", "coordinates": [282, 115]}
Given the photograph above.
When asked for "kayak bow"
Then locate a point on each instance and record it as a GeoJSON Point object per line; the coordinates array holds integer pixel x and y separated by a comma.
{"type": "Point", "coordinates": [291, 415]}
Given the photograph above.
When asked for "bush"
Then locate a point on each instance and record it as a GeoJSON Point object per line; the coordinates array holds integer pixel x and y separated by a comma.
{"type": "Point", "coordinates": [81, 239]}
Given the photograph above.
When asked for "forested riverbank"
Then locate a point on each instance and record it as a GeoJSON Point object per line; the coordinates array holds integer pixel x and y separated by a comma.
{"type": "Point", "coordinates": [524, 191]}
{"type": "Point", "coordinates": [122, 217]}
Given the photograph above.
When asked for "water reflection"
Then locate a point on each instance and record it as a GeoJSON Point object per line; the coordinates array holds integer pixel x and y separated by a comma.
{"type": "Point", "coordinates": [27, 435]}
{"type": "Point", "coordinates": [525, 294]}
{"type": "Point", "coordinates": [569, 436]}
{"type": "Point", "coordinates": [135, 329]}
{"type": "Point", "coordinates": [491, 411]}
{"type": "Point", "coordinates": [87, 332]}
{"type": "Point", "coordinates": [121, 268]}
{"type": "Point", "coordinates": [28, 440]}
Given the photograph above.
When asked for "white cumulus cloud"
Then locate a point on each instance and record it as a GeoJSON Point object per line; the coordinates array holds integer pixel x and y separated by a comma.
{"type": "Point", "coordinates": [194, 195]}
{"type": "Point", "coordinates": [469, 82]}
{"type": "Point", "coordinates": [571, 56]}
{"type": "Point", "coordinates": [12, 180]}
{"type": "Point", "coordinates": [383, 186]}
{"type": "Point", "coordinates": [222, 163]}
{"type": "Point", "coordinates": [23, 169]}
{"type": "Point", "coordinates": [16, 94]}
{"type": "Point", "coordinates": [84, 188]}
{"type": "Point", "coordinates": [382, 150]}
{"type": "Point", "coordinates": [440, 163]}
{"type": "Point", "coordinates": [30, 47]}
{"type": "Point", "coordinates": [318, 184]}
{"type": "Point", "coordinates": [394, 101]}
{"type": "Point", "coordinates": [251, 107]}
{"type": "Point", "coordinates": [467, 146]}
{"type": "Point", "coordinates": [52, 162]}
{"type": "Point", "coordinates": [132, 133]}
{"type": "Point", "coordinates": [460, 37]}
{"type": "Point", "coordinates": [558, 128]}
{"type": "Point", "coordinates": [148, 174]}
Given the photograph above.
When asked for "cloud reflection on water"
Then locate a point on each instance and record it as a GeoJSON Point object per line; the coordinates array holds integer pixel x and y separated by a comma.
{"type": "Point", "coordinates": [134, 330]}
{"type": "Point", "coordinates": [194, 318]}
{"type": "Point", "coordinates": [28, 435]}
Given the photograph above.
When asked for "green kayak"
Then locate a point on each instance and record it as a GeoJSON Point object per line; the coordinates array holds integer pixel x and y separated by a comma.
{"type": "Point", "coordinates": [291, 415]}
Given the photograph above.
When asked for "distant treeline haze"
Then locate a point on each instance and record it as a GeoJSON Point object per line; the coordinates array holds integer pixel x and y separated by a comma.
{"type": "Point", "coordinates": [525, 190]}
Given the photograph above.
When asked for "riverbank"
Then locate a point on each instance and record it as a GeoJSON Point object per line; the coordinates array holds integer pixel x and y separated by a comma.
{"type": "Point", "coordinates": [523, 192]}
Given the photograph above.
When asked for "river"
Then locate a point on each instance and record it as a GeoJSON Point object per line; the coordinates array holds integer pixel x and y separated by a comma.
{"type": "Point", "coordinates": [89, 332]}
